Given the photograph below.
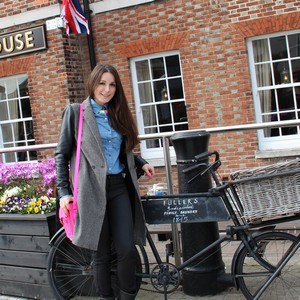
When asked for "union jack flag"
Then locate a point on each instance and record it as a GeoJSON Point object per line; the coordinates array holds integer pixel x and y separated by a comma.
{"type": "Point", "coordinates": [74, 17]}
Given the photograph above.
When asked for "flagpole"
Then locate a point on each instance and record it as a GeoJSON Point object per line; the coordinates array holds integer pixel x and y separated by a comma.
{"type": "Point", "coordinates": [87, 12]}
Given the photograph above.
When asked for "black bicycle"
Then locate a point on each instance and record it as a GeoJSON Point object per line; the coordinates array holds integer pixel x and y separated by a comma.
{"type": "Point", "coordinates": [265, 265]}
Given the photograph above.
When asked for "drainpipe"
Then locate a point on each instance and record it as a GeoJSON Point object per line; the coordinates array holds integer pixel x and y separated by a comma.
{"type": "Point", "coordinates": [87, 13]}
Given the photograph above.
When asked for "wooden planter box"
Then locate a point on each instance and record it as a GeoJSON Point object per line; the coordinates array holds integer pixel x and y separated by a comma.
{"type": "Point", "coordinates": [23, 255]}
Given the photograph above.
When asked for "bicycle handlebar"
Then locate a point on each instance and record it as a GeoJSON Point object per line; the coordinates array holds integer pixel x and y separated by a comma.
{"type": "Point", "coordinates": [207, 154]}
{"type": "Point", "coordinates": [203, 156]}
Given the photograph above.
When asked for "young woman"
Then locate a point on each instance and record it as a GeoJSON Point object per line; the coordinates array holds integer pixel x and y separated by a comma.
{"type": "Point", "coordinates": [109, 206]}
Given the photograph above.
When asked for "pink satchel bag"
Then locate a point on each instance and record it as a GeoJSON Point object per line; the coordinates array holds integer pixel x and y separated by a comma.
{"type": "Point", "coordinates": [68, 220]}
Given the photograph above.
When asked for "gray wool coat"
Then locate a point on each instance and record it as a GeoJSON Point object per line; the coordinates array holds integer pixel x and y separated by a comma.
{"type": "Point", "coordinates": [92, 177]}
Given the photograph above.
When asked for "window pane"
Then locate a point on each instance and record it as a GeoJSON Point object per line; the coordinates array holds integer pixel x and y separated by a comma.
{"type": "Point", "coordinates": [2, 91]}
{"type": "Point", "coordinates": [285, 99]}
{"type": "Point", "coordinates": [145, 92]}
{"type": "Point", "coordinates": [294, 44]}
{"type": "Point", "coordinates": [297, 93]}
{"type": "Point", "coordinates": [281, 72]}
{"type": "Point", "coordinates": [157, 68]}
{"type": "Point", "coordinates": [287, 116]}
{"type": "Point", "coordinates": [289, 130]}
{"type": "Point", "coordinates": [29, 131]}
{"type": "Point", "coordinates": [12, 90]}
{"type": "Point", "coordinates": [23, 86]}
{"type": "Point", "coordinates": [179, 112]}
{"type": "Point", "coordinates": [165, 128]}
{"type": "Point", "coordinates": [155, 143]}
{"type": "Point", "coordinates": [173, 67]}
{"type": "Point", "coordinates": [181, 127]}
{"type": "Point", "coordinates": [267, 101]}
{"type": "Point", "coordinates": [3, 111]}
{"type": "Point", "coordinates": [268, 132]}
{"type": "Point", "coordinates": [142, 70]}
{"type": "Point", "coordinates": [9, 157]}
{"type": "Point", "coordinates": [164, 114]}
{"type": "Point", "coordinates": [263, 75]}
{"type": "Point", "coordinates": [32, 154]}
{"type": "Point", "coordinates": [7, 134]}
{"type": "Point", "coordinates": [261, 50]}
{"type": "Point", "coordinates": [176, 90]}
{"type": "Point", "coordinates": [296, 70]}
{"type": "Point", "coordinates": [22, 156]}
{"type": "Point", "coordinates": [26, 109]}
{"type": "Point", "coordinates": [149, 116]}
{"type": "Point", "coordinates": [278, 47]}
{"type": "Point", "coordinates": [18, 132]}
{"type": "Point", "coordinates": [160, 90]}
{"type": "Point", "coordinates": [14, 109]}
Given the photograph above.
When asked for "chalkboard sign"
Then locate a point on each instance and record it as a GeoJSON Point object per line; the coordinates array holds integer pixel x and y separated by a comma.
{"type": "Point", "coordinates": [184, 210]}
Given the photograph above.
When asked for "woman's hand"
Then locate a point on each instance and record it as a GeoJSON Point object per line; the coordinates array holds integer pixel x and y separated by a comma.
{"type": "Point", "coordinates": [64, 203]}
{"type": "Point", "coordinates": [149, 170]}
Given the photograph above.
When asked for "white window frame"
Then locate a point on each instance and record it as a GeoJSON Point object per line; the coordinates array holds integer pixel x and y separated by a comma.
{"type": "Point", "coordinates": [276, 142]}
{"type": "Point", "coordinates": [11, 121]}
{"type": "Point", "coordinates": [152, 153]}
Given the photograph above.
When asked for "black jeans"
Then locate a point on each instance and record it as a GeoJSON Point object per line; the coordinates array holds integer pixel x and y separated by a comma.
{"type": "Point", "coordinates": [117, 227]}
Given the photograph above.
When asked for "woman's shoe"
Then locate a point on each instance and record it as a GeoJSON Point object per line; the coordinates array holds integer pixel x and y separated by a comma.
{"type": "Point", "coordinates": [126, 296]}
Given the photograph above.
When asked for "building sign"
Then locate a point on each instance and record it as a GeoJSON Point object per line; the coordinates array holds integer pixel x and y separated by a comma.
{"type": "Point", "coordinates": [23, 41]}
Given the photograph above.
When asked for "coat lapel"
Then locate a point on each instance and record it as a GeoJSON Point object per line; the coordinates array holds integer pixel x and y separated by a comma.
{"type": "Point", "coordinates": [90, 133]}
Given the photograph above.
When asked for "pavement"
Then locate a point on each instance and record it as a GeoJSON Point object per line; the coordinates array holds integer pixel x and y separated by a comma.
{"type": "Point", "coordinates": [148, 292]}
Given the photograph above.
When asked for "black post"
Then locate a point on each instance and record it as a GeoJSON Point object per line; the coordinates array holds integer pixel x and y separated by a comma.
{"type": "Point", "coordinates": [87, 13]}
{"type": "Point", "coordinates": [200, 278]}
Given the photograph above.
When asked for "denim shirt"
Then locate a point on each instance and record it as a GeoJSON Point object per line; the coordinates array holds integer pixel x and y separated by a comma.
{"type": "Point", "coordinates": [111, 139]}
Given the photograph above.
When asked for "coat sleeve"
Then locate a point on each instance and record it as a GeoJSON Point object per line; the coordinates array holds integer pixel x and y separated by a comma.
{"type": "Point", "coordinates": [139, 162]}
{"type": "Point", "coordinates": [63, 153]}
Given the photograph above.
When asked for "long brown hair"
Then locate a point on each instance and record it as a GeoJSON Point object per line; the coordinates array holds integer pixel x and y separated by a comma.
{"type": "Point", "coordinates": [119, 112]}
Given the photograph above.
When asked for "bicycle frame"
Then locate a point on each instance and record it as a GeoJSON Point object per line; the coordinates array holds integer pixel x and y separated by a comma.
{"type": "Point", "coordinates": [245, 232]}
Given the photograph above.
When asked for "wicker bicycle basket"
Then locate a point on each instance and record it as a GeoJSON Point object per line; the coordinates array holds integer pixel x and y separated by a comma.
{"type": "Point", "coordinates": [268, 192]}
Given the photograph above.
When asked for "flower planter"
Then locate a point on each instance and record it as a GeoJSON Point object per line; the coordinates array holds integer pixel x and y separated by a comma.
{"type": "Point", "coordinates": [23, 254]}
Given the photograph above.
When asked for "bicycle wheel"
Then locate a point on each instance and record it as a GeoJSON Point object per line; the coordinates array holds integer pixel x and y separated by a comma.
{"type": "Point", "coordinates": [70, 270]}
{"type": "Point", "coordinates": [273, 248]}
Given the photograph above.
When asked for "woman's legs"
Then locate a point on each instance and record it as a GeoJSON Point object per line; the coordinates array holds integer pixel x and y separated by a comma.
{"type": "Point", "coordinates": [118, 226]}
{"type": "Point", "coordinates": [101, 265]}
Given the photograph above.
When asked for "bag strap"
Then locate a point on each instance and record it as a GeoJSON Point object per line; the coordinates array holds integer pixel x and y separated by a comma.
{"type": "Point", "coordinates": [77, 161]}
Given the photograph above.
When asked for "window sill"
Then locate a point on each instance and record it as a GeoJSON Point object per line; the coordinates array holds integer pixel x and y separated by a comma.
{"type": "Point", "coordinates": [277, 153]}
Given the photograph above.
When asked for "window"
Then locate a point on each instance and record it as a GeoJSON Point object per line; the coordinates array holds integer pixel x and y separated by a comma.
{"type": "Point", "coordinates": [159, 97]}
{"type": "Point", "coordinates": [16, 127]}
{"type": "Point", "coordinates": [275, 72]}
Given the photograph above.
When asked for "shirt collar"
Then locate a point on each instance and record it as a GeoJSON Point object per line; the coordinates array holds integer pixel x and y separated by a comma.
{"type": "Point", "coordinates": [96, 107]}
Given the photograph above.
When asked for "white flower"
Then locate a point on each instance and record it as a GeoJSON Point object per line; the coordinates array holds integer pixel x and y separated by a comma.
{"type": "Point", "coordinates": [12, 192]}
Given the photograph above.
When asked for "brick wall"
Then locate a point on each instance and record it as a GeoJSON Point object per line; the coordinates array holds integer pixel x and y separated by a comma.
{"type": "Point", "coordinates": [13, 7]}
{"type": "Point", "coordinates": [55, 78]}
{"type": "Point", "coordinates": [210, 36]}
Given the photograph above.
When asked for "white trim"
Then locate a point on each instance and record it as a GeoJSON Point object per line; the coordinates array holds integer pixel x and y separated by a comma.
{"type": "Point", "coordinates": [31, 16]}
{"type": "Point", "coordinates": [148, 153]}
{"type": "Point", "coordinates": [277, 153]}
{"type": "Point", "coordinates": [269, 146]}
{"type": "Point", "coordinates": [53, 11]}
{"type": "Point", "coordinates": [108, 5]}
